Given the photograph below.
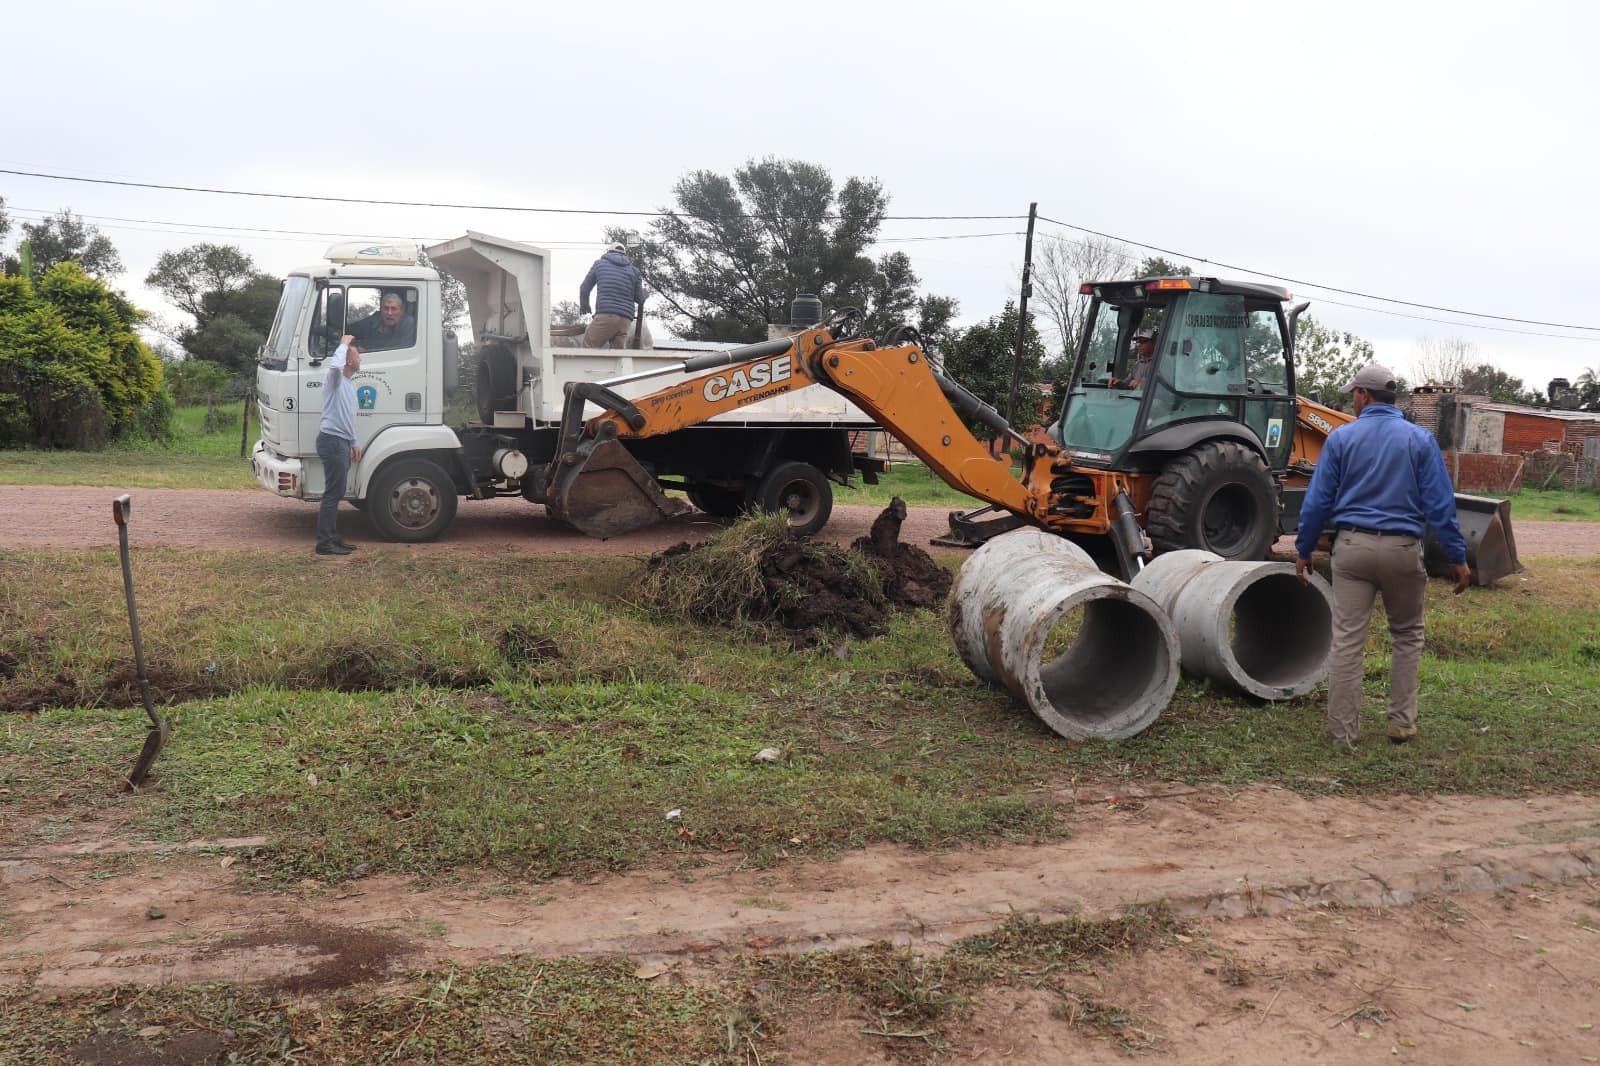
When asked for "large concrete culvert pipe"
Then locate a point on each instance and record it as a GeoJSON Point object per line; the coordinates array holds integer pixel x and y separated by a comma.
{"type": "Point", "coordinates": [1249, 625]}
{"type": "Point", "coordinates": [1094, 658]}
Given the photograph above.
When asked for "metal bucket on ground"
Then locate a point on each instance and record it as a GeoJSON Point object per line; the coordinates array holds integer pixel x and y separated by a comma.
{"type": "Point", "coordinates": [1093, 657]}
{"type": "Point", "coordinates": [1249, 625]}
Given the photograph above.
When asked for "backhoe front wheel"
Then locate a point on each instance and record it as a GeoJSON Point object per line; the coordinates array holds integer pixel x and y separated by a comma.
{"type": "Point", "coordinates": [411, 500]}
{"type": "Point", "coordinates": [799, 491]}
{"type": "Point", "coordinates": [1220, 498]}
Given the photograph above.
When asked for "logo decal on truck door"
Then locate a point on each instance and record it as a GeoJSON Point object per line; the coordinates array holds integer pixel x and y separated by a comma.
{"type": "Point", "coordinates": [749, 378]}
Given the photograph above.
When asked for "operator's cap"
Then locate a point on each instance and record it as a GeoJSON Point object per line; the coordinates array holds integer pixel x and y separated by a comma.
{"type": "Point", "coordinates": [1146, 334]}
{"type": "Point", "coordinates": [1373, 376]}
{"type": "Point", "coordinates": [618, 247]}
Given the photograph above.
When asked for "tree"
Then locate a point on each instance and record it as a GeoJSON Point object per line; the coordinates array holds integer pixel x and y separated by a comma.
{"type": "Point", "coordinates": [981, 356]}
{"type": "Point", "coordinates": [452, 292]}
{"type": "Point", "coordinates": [1588, 386]}
{"type": "Point", "coordinates": [565, 313]}
{"type": "Point", "coordinates": [186, 277]}
{"type": "Point", "coordinates": [733, 252]}
{"type": "Point", "coordinates": [1155, 266]}
{"type": "Point", "coordinates": [73, 371]}
{"type": "Point", "coordinates": [1326, 360]}
{"type": "Point", "coordinates": [1062, 267]}
{"type": "Point", "coordinates": [232, 303]}
{"type": "Point", "coordinates": [65, 237]}
{"type": "Point", "coordinates": [5, 220]}
{"type": "Point", "coordinates": [1486, 379]}
{"type": "Point", "coordinates": [1444, 361]}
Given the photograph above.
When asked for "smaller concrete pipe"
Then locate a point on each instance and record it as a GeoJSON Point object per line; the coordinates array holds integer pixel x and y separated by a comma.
{"type": "Point", "coordinates": [1250, 625]}
{"type": "Point", "coordinates": [1094, 658]}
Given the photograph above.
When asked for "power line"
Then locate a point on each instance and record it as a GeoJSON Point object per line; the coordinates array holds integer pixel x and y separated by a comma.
{"type": "Point", "coordinates": [1318, 285]}
{"type": "Point", "coordinates": [425, 203]}
{"type": "Point", "coordinates": [1134, 260]}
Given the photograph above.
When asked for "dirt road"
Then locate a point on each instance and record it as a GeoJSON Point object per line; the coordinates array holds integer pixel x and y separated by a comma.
{"type": "Point", "coordinates": [1296, 896]}
{"type": "Point", "coordinates": [73, 517]}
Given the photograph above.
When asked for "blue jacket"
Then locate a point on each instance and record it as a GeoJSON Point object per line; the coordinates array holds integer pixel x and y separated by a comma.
{"type": "Point", "coordinates": [621, 287]}
{"type": "Point", "coordinates": [1383, 473]}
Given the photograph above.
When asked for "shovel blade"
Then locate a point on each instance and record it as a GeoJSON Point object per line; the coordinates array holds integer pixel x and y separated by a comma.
{"type": "Point", "coordinates": [154, 741]}
{"type": "Point", "coordinates": [605, 492]}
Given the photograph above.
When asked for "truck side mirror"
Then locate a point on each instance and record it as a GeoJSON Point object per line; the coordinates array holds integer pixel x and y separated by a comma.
{"type": "Point", "coordinates": [452, 362]}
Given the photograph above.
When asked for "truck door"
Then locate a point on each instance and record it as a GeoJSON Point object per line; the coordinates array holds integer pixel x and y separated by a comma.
{"type": "Point", "coordinates": [391, 386]}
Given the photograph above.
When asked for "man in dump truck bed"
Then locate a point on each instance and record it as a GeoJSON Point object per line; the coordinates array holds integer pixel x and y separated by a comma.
{"type": "Point", "coordinates": [621, 295]}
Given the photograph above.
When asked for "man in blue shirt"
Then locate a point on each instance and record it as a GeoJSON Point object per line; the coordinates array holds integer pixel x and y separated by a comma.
{"type": "Point", "coordinates": [1379, 481]}
{"type": "Point", "coordinates": [336, 443]}
{"type": "Point", "coordinates": [621, 292]}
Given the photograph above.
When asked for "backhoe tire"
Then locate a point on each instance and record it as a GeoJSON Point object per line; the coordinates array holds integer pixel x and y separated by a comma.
{"type": "Point", "coordinates": [717, 500]}
{"type": "Point", "coordinates": [798, 490]}
{"type": "Point", "coordinates": [495, 384]}
{"type": "Point", "coordinates": [1220, 498]}
{"type": "Point", "coordinates": [411, 500]}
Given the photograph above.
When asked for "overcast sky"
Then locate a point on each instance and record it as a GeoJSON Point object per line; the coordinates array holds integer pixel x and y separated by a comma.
{"type": "Point", "coordinates": [1438, 153]}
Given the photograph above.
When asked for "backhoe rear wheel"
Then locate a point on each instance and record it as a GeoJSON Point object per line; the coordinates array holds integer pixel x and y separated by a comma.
{"type": "Point", "coordinates": [800, 491]}
{"type": "Point", "coordinates": [1218, 497]}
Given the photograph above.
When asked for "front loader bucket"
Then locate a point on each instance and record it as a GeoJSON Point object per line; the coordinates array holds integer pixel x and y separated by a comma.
{"type": "Point", "coordinates": [1491, 548]}
{"type": "Point", "coordinates": [604, 492]}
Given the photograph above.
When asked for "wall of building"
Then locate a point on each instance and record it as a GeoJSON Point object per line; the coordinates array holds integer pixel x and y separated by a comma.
{"type": "Point", "coordinates": [1478, 474]}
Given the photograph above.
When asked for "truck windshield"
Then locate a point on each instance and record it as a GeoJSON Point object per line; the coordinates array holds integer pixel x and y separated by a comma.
{"type": "Point", "coordinates": [280, 342]}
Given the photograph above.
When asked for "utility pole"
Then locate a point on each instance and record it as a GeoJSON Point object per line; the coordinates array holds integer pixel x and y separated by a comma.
{"type": "Point", "coordinates": [1022, 313]}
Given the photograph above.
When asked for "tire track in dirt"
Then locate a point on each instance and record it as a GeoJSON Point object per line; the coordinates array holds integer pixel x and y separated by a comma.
{"type": "Point", "coordinates": [1209, 851]}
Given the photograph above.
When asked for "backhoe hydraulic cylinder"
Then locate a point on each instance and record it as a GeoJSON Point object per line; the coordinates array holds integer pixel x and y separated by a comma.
{"type": "Point", "coordinates": [1250, 625]}
{"type": "Point", "coordinates": [1093, 657]}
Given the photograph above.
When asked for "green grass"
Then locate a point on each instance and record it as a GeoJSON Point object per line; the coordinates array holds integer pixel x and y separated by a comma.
{"type": "Point", "coordinates": [913, 483]}
{"type": "Point", "coordinates": [428, 713]}
{"type": "Point", "coordinates": [1556, 505]}
{"type": "Point", "coordinates": [191, 459]}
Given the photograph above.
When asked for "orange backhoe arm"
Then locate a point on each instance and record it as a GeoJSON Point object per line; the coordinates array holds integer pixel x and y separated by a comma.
{"type": "Point", "coordinates": [895, 386]}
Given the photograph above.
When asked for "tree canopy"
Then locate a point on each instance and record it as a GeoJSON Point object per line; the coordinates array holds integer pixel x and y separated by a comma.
{"type": "Point", "coordinates": [732, 253]}
{"type": "Point", "coordinates": [61, 238]}
{"type": "Point", "coordinates": [73, 371]}
{"type": "Point", "coordinates": [981, 357]}
{"type": "Point", "coordinates": [232, 303]}
{"type": "Point", "coordinates": [1325, 360]}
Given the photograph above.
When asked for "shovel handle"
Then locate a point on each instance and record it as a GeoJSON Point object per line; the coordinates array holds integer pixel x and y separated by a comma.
{"type": "Point", "coordinates": [121, 507]}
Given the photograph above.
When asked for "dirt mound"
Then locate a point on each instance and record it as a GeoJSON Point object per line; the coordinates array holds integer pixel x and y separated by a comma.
{"type": "Point", "coordinates": [757, 572]}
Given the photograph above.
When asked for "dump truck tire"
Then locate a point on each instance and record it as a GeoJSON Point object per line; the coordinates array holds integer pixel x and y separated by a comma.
{"type": "Point", "coordinates": [495, 384]}
{"type": "Point", "coordinates": [718, 500]}
{"type": "Point", "coordinates": [800, 491]}
{"type": "Point", "coordinates": [411, 500]}
{"type": "Point", "coordinates": [1219, 498]}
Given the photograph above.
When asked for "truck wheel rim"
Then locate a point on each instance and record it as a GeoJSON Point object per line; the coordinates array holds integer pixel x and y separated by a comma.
{"type": "Point", "coordinates": [799, 499]}
{"type": "Point", "coordinates": [1226, 521]}
{"type": "Point", "coordinates": [414, 504]}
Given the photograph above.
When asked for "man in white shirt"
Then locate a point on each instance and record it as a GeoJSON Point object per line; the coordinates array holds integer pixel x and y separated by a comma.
{"type": "Point", "coordinates": [336, 443]}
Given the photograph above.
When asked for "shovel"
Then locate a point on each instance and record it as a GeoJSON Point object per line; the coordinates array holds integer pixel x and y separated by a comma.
{"type": "Point", "coordinates": [160, 728]}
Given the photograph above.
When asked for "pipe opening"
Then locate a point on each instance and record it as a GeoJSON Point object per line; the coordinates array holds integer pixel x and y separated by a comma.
{"type": "Point", "coordinates": [1281, 631]}
{"type": "Point", "coordinates": [1102, 658]}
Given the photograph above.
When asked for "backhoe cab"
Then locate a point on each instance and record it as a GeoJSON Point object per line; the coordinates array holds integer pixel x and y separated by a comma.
{"type": "Point", "coordinates": [1204, 422]}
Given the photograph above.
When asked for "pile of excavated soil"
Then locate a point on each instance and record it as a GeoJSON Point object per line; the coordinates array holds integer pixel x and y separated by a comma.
{"type": "Point", "coordinates": [757, 572]}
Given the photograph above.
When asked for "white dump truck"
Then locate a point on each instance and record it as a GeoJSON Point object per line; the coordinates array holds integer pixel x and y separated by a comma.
{"type": "Point", "coordinates": [779, 454]}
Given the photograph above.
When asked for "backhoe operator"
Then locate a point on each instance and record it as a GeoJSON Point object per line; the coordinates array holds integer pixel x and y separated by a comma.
{"type": "Point", "coordinates": [1144, 350]}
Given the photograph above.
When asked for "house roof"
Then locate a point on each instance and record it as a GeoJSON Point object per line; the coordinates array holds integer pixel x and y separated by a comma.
{"type": "Point", "coordinates": [1539, 412]}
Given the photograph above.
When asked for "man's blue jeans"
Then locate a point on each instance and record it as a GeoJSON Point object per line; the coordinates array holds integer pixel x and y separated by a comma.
{"type": "Point", "coordinates": [335, 455]}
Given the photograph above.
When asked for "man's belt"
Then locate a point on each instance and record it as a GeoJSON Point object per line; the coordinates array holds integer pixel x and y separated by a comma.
{"type": "Point", "coordinates": [1375, 532]}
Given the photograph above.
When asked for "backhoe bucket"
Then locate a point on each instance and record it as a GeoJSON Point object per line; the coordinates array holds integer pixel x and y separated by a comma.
{"type": "Point", "coordinates": [604, 492]}
{"type": "Point", "coordinates": [1491, 549]}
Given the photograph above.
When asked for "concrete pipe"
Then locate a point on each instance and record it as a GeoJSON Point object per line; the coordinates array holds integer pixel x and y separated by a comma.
{"type": "Point", "coordinates": [1250, 625]}
{"type": "Point", "coordinates": [1094, 658]}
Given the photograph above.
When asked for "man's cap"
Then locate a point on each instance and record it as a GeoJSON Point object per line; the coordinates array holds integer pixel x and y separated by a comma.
{"type": "Point", "coordinates": [1373, 376]}
{"type": "Point", "coordinates": [1146, 334]}
{"type": "Point", "coordinates": [618, 247]}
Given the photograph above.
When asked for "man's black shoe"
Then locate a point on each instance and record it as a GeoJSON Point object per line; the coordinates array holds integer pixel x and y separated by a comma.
{"type": "Point", "coordinates": [346, 544]}
{"type": "Point", "coordinates": [334, 549]}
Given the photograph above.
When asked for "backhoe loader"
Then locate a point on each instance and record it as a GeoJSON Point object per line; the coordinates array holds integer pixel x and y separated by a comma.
{"type": "Point", "coordinates": [1205, 445]}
